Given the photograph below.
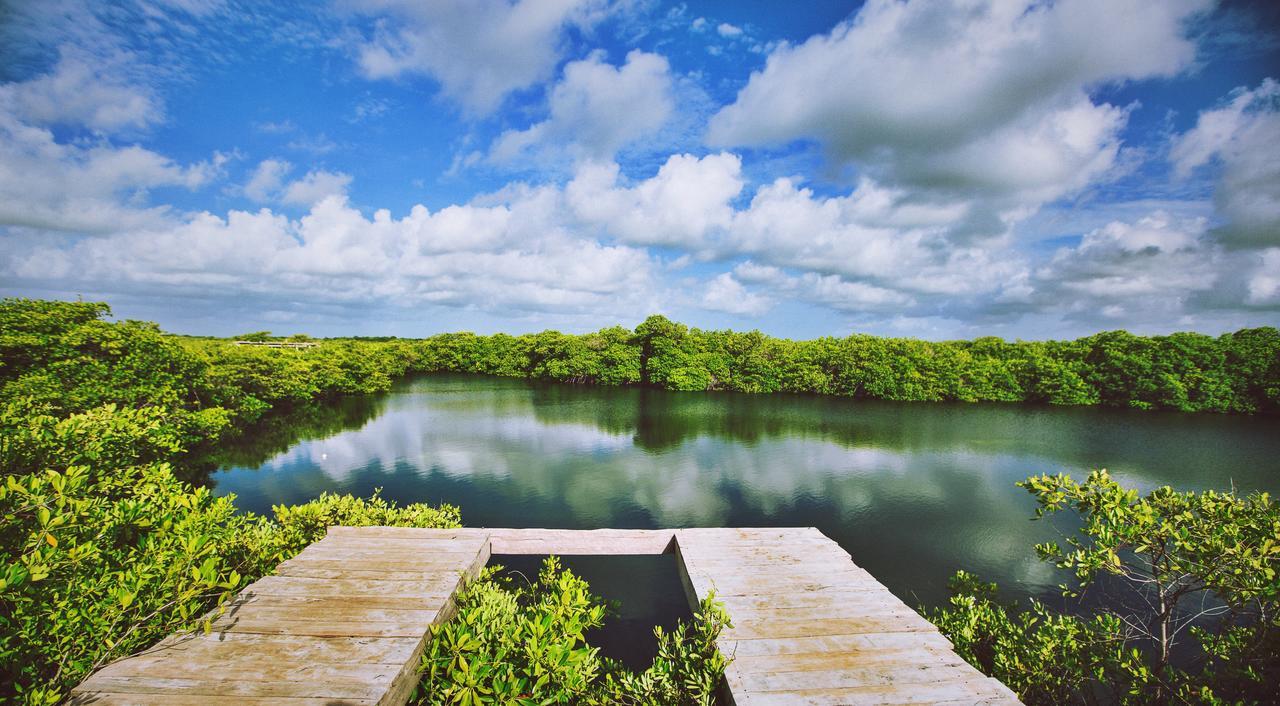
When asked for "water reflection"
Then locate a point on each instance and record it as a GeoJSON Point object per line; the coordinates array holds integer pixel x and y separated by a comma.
{"type": "Point", "coordinates": [278, 433]}
{"type": "Point", "coordinates": [913, 491]}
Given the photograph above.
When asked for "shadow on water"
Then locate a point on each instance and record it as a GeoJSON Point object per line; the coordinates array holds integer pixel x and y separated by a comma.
{"type": "Point", "coordinates": [913, 491]}
{"type": "Point", "coordinates": [277, 433]}
{"type": "Point", "coordinates": [644, 591]}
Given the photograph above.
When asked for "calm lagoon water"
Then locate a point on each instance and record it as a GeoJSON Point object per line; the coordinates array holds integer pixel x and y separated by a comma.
{"type": "Point", "coordinates": [913, 491]}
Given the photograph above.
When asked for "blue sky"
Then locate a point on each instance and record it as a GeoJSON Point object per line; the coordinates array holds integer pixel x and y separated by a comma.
{"type": "Point", "coordinates": [935, 169]}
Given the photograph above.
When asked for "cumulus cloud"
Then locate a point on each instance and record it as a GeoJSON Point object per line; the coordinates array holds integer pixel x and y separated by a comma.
{"type": "Point", "coordinates": [684, 205]}
{"type": "Point", "coordinates": [1147, 270]}
{"type": "Point", "coordinates": [479, 50]}
{"type": "Point", "coordinates": [724, 29]}
{"type": "Point", "coordinates": [596, 109]}
{"type": "Point", "coordinates": [265, 182]}
{"type": "Point", "coordinates": [316, 186]}
{"type": "Point", "coordinates": [93, 188]}
{"type": "Point", "coordinates": [1264, 282]}
{"type": "Point", "coordinates": [81, 90]}
{"type": "Point", "coordinates": [1243, 136]}
{"type": "Point", "coordinates": [964, 95]}
{"type": "Point", "coordinates": [724, 293]}
{"type": "Point", "coordinates": [515, 253]}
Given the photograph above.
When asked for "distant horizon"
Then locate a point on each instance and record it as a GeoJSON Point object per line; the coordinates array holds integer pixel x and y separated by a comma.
{"type": "Point", "coordinates": [920, 169]}
{"type": "Point", "coordinates": [238, 332]}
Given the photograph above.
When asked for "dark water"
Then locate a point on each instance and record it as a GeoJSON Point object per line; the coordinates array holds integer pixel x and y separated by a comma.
{"type": "Point", "coordinates": [912, 491]}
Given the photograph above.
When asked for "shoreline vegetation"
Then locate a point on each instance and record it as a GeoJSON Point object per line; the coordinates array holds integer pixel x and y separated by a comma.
{"type": "Point", "coordinates": [104, 549]}
{"type": "Point", "coordinates": [1232, 373]}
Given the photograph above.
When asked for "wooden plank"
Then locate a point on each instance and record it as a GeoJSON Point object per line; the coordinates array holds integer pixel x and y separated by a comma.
{"type": "Point", "coordinates": [907, 621]}
{"type": "Point", "coordinates": [959, 691]}
{"type": "Point", "coordinates": [835, 644]}
{"type": "Point", "coordinates": [362, 602]}
{"type": "Point", "coordinates": [322, 628]}
{"type": "Point", "coordinates": [811, 627]}
{"type": "Point", "coordinates": [109, 699]}
{"type": "Point", "coordinates": [441, 586]}
{"type": "Point", "coordinates": [908, 671]}
{"type": "Point", "coordinates": [374, 573]}
{"type": "Point", "coordinates": [340, 623]}
{"type": "Point", "coordinates": [251, 668]}
{"type": "Point", "coordinates": [373, 686]}
{"type": "Point", "coordinates": [816, 604]}
{"type": "Point", "coordinates": [811, 661]}
{"type": "Point", "coordinates": [233, 646]}
{"type": "Point", "coordinates": [725, 585]}
{"type": "Point", "coordinates": [582, 542]}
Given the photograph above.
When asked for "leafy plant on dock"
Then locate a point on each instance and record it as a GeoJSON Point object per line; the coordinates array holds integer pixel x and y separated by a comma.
{"type": "Point", "coordinates": [525, 645]}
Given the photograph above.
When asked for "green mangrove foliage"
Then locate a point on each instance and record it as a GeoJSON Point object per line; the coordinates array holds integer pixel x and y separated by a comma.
{"type": "Point", "coordinates": [1235, 372]}
{"type": "Point", "coordinates": [103, 550]}
{"type": "Point", "coordinates": [1177, 600]}
{"type": "Point", "coordinates": [525, 645]}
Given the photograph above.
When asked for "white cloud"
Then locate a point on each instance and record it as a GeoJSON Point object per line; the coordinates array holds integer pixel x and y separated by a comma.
{"type": "Point", "coordinates": [724, 29]}
{"type": "Point", "coordinates": [479, 50]}
{"type": "Point", "coordinates": [964, 95]}
{"type": "Point", "coordinates": [267, 184]}
{"type": "Point", "coordinates": [316, 186]}
{"type": "Point", "coordinates": [596, 109]}
{"type": "Point", "coordinates": [81, 90]}
{"type": "Point", "coordinates": [282, 127]}
{"type": "Point", "coordinates": [267, 180]}
{"type": "Point", "coordinates": [95, 188]}
{"type": "Point", "coordinates": [724, 293]}
{"type": "Point", "coordinates": [870, 234]}
{"type": "Point", "coordinates": [1264, 281]}
{"type": "Point", "coordinates": [1149, 270]}
{"type": "Point", "coordinates": [684, 205]}
{"type": "Point", "coordinates": [1244, 137]}
{"type": "Point", "coordinates": [515, 254]}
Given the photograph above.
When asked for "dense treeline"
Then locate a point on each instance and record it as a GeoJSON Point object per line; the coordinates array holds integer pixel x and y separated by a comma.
{"type": "Point", "coordinates": [1235, 372]}
{"type": "Point", "coordinates": [103, 549]}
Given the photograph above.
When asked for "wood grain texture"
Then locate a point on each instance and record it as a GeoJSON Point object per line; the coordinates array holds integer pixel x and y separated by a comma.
{"type": "Point", "coordinates": [811, 628]}
{"type": "Point", "coordinates": [343, 622]}
{"type": "Point", "coordinates": [346, 620]}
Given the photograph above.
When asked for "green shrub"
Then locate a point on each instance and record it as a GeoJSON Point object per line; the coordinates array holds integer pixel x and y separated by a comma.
{"type": "Point", "coordinates": [1192, 609]}
{"type": "Point", "coordinates": [525, 645]}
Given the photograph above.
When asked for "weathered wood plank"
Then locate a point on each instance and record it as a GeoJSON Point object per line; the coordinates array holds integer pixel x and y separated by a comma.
{"type": "Point", "coordinates": [811, 627]}
{"type": "Point", "coordinates": [982, 689]}
{"type": "Point", "coordinates": [110, 699]}
{"type": "Point", "coordinates": [372, 686]}
{"type": "Point", "coordinates": [581, 542]}
{"type": "Point", "coordinates": [811, 661]}
{"type": "Point", "coordinates": [342, 622]}
{"type": "Point", "coordinates": [834, 644]}
{"type": "Point", "coordinates": [233, 646]}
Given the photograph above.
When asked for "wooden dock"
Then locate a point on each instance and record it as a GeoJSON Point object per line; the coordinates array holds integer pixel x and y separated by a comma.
{"type": "Point", "coordinates": [346, 620]}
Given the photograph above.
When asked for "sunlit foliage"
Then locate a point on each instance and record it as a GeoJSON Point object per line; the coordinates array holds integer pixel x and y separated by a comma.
{"type": "Point", "coordinates": [1235, 372]}
{"type": "Point", "coordinates": [1177, 601]}
{"type": "Point", "coordinates": [525, 645]}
